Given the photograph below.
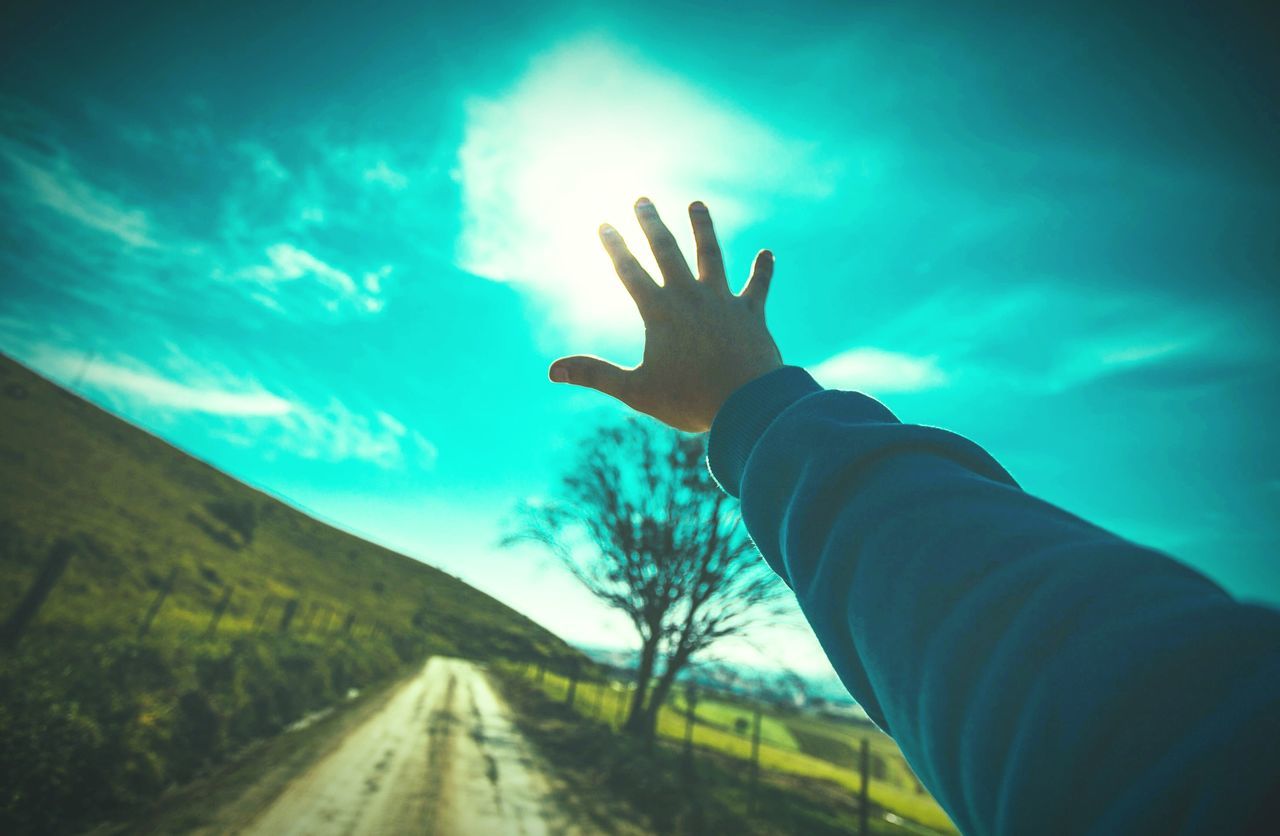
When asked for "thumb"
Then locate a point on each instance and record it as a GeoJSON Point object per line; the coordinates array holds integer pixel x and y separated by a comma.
{"type": "Point", "coordinates": [593, 373]}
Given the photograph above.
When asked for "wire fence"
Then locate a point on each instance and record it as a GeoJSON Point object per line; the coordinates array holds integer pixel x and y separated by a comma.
{"type": "Point", "coordinates": [705, 722]}
{"type": "Point", "coordinates": [273, 613]}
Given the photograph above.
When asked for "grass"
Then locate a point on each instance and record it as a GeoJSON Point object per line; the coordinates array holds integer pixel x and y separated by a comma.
{"type": "Point", "coordinates": [228, 798]}
{"type": "Point", "coordinates": [658, 786]}
{"type": "Point", "coordinates": [728, 716]}
{"type": "Point", "coordinates": [97, 720]}
{"type": "Point", "coordinates": [892, 787]}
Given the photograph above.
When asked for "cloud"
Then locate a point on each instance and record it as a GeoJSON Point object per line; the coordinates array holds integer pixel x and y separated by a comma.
{"type": "Point", "coordinates": [51, 181]}
{"type": "Point", "coordinates": [1049, 337]}
{"type": "Point", "coordinates": [266, 165]}
{"type": "Point", "coordinates": [390, 422]}
{"type": "Point", "coordinates": [427, 451]}
{"type": "Point", "coordinates": [875, 370]}
{"type": "Point", "coordinates": [289, 263]}
{"type": "Point", "coordinates": [244, 412]}
{"type": "Point", "coordinates": [386, 175]}
{"type": "Point", "coordinates": [281, 228]}
{"type": "Point", "coordinates": [588, 128]}
{"type": "Point", "coordinates": [146, 386]}
{"type": "Point", "coordinates": [333, 432]}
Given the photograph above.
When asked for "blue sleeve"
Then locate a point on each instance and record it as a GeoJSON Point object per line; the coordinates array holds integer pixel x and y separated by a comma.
{"type": "Point", "coordinates": [1039, 674]}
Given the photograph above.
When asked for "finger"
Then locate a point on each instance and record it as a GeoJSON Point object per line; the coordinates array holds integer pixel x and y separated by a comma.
{"type": "Point", "coordinates": [757, 289]}
{"type": "Point", "coordinates": [593, 373]}
{"type": "Point", "coordinates": [710, 261]}
{"type": "Point", "coordinates": [675, 270]}
{"type": "Point", "coordinates": [637, 281]}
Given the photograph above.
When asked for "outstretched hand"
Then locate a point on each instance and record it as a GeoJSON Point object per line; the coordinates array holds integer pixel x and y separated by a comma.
{"type": "Point", "coordinates": [701, 341]}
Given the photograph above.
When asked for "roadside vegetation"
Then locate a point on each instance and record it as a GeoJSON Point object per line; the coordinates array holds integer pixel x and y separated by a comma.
{"type": "Point", "coordinates": [157, 615]}
{"type": "Point", "coordinates": [795, 791]}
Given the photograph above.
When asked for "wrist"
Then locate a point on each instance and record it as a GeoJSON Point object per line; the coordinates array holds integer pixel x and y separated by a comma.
{"type": "Point", "coordinates": [744, 416]}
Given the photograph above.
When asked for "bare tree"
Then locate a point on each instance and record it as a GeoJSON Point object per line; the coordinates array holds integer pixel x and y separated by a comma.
{"type": "Point", "coordinates": [638, 520]}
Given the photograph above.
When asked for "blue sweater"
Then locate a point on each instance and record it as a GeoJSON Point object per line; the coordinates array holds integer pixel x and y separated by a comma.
{"type": "Point", "coordinates": [1040, 674]}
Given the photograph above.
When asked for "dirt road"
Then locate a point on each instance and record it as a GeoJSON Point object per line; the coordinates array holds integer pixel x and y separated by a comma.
{"type": "Point", "coordinates": [441, 757]}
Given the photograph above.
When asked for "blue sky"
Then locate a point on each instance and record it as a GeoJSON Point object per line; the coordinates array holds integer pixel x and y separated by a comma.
{"type": "Point", "coordinates": [334, 254]}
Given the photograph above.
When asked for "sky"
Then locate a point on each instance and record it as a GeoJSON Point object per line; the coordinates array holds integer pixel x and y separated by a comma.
{"type": "Point", "coordinates": [332, 249]}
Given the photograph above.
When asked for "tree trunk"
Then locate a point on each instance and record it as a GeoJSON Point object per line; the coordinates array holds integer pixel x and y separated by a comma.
{"type": "Point", "coordinates": [675, 664]}
{"type": "Point", "coordinates": [644, 672]}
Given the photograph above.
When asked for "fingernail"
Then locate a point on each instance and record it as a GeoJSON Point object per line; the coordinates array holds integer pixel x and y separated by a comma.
{"type": "Point", "coordinates": [605, 229]}
{"type": "Point", "coordinates": [698, 206]}
{"type": "Point", "coordinates": [644, 203]}
{"type": "Point", "coordinates": [559, 375]}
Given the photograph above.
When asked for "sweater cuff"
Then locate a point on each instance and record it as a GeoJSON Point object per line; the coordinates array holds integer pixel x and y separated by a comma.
{"type": "Point", "coordinates": [744, 417]}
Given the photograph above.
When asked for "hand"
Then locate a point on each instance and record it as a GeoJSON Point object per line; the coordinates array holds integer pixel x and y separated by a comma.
{"type": "Point", "coordinates": [701, 341]}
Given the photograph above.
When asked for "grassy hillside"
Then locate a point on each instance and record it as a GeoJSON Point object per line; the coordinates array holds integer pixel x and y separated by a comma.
{"type": "Point", "coordinates": [95, 717]}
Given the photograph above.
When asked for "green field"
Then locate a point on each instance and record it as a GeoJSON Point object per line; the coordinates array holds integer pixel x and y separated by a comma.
{"type": "Point", "coordinates": [96, 719]}
{"type": "Point", "coordinates": [805, 746]}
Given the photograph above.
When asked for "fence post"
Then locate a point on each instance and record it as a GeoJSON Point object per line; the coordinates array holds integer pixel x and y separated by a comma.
{"type": "Point", "coordinates": [154, 609]}
{"type": "Point", "coordinates": [350, 622]}
{"type": "Point", "coordinates": [622, 705]}
{"type": "Point", "coordinates": [865, 768]}
{"type": "Point", "coordinates": [55, 563]}
{"type": "Point", "coordinates": [755, 760]}
{"type": "Point", "coordinates": [542, 672]}
{"type": "Point", "coordinates": [286, 618]}
{"type": "Point", "coordinates": [573, 683]}
{"type": "Point", "coordinates": [691, 708]}
{"type": "Point", "coordinates": [263, 609]}
{"type": "Point", "coordinates": [218, 610]}
{"type": "Point", "coordinates": [309, 617]}
{"type": "Point", "coordinates": [595, 705]}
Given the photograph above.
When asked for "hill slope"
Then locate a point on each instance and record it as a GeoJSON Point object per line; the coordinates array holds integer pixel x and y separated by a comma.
{"type": "Point", "coordinates": [121, 683]}
{"type": "Point", "coordinates": [67, 466]}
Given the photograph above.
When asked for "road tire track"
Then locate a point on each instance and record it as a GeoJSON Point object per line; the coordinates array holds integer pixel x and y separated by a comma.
{"type": "Point", "coordinates": [442, 757]}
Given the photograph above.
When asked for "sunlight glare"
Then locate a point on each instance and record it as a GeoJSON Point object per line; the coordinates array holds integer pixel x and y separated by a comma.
{"type": "Point", "coordinates": [585, 132]}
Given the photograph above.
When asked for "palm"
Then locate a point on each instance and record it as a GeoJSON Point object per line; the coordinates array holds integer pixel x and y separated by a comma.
{"type": "Point", "coordinates": [701, 340]}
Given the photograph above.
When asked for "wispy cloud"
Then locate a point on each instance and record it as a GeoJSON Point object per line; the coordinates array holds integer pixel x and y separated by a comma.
{"type": "Point", "coordinates": [264, 162]}
{"type": "Point", "coordinates": [288, 263]}
{"type": "Point", "coordinates": [875, 370]}
{"type": "Point", "coordinates": [333, 432]}
{"type": "Point", "coordinates": [267, 216]}
{"type": "Point", "coordinates": [1046, 338]}
{"type": "Point", "coordinates": [53, 182]}
{"type": "Point", "coordinates": [243, 411]}
{"type": "Point", "coordinates": [386, 175]}
{"type": "Point", "coordinates": [141, 384]}
{"type": "Point", "coordinates": [590, 127]}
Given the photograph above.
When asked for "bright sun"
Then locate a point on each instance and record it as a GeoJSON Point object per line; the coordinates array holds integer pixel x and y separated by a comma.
{"type": "Point", "coordinates": [586, 131]}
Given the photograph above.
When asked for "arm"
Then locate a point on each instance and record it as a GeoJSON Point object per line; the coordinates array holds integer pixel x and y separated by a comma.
{"type": "Point", "coordinates": [1038, 673]}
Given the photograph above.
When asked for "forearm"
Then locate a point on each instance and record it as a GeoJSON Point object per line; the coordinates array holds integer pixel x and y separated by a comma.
{"type": "Point", "coordinates": [988, 631]}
